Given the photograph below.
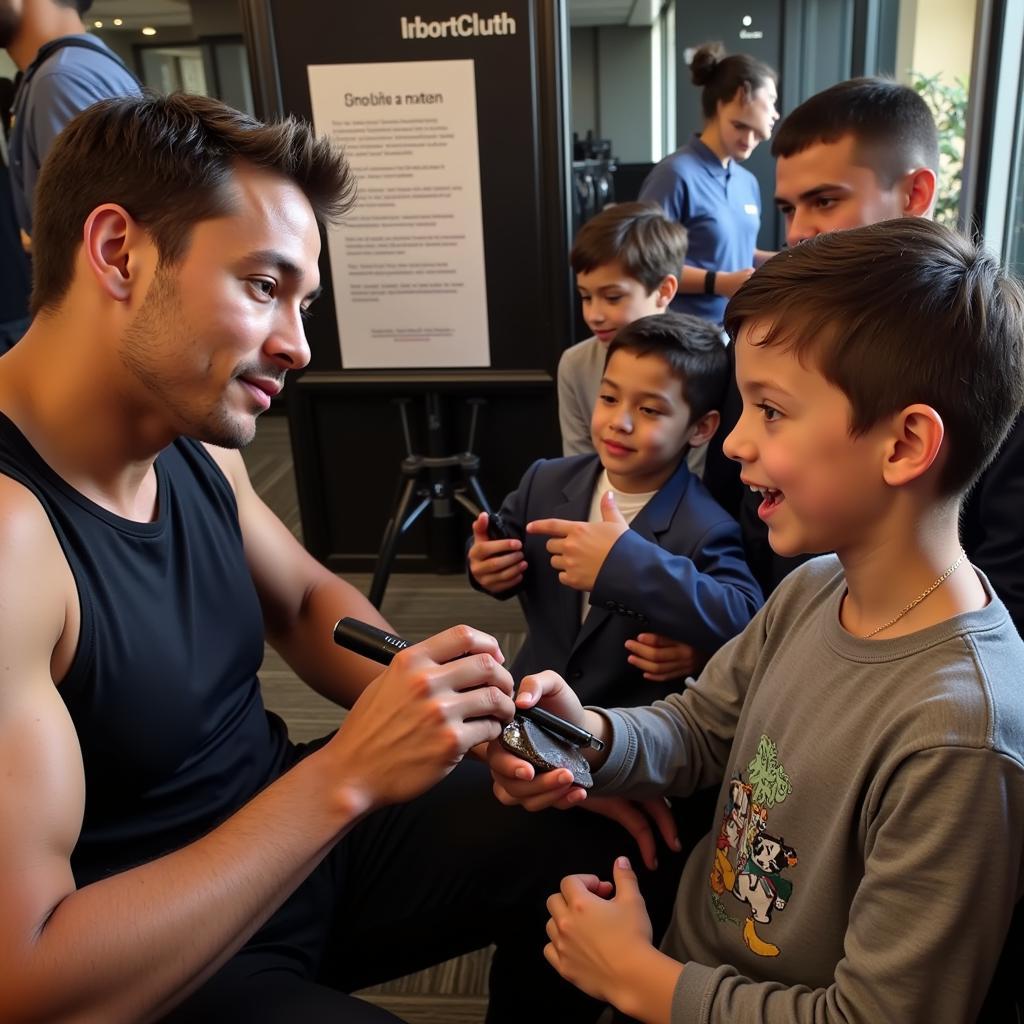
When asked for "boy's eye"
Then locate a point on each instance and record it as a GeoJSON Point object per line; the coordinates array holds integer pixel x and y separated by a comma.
{"type": "Point", "coordinates": [606, 399]}
{"type": "Point", "coordinates": [770, 413]}
{"type": "Point", "coordinates": [648, 411]}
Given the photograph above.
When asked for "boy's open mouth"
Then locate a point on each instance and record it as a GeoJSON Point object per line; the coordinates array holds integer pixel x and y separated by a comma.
{"type": "Point", "coordinates": [772, 499]}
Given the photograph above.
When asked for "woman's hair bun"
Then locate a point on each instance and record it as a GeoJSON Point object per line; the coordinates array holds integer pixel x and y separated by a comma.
{"type": "Point", "coordinates": [705, 60]}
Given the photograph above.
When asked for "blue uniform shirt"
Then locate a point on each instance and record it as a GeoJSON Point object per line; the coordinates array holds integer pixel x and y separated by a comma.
{"type": "Point", "coordinates": [720, 207]}
{"type": "Point", "coordinates": [67, 82]}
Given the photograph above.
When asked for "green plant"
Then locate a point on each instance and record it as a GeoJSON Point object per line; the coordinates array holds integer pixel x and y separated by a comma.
{"type": "Point", "coordinates": [948, 104]}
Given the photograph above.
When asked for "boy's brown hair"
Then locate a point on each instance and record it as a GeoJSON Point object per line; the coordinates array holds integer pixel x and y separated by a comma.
{"type": "Point", "coordinates": [692, 348]}
{"type": "Point", "coordinates": [168, 160]}
{"type": "Point", "coordinates": [896, 313]}
{"type": "Point", "coordinates": [638, 236]}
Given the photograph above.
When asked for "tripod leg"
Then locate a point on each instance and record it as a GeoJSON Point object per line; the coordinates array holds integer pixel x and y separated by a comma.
{"type": "Point", "coordinates": [477, 492]}
{"type": "Point", "coordinates": [388, 544]}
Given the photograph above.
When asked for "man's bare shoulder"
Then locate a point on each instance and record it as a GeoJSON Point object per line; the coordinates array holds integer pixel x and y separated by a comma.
{"type": "Point", "coordinates": [37, 590]}
{"type": "Point", "coordinates": [231, 464]}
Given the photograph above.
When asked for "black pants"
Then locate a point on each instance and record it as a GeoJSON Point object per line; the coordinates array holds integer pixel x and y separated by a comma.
{"type": "Point", "coordinates": [417, 884]}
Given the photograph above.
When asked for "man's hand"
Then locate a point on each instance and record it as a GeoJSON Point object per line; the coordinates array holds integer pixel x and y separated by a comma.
{"type": "Point", "coordinates": [497, 565]}
{"type": "Point", "coordinates": [594, 934]}
{"type": "Point", "coordinates": [416, 720]}
{"type": "Point", "coordinates": [637, 818]}
{"type": "Point", "coordinates": [578, 550]}
{"type": "Point", "coordinates": [661, 659]}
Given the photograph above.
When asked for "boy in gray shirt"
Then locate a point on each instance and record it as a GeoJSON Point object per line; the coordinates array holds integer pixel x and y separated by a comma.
{"type": "Point", "coordinates": [867, 728]}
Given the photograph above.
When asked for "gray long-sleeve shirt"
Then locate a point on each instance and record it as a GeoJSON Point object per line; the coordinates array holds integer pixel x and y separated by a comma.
{"type": "Point", "coordinates": [867, 854]}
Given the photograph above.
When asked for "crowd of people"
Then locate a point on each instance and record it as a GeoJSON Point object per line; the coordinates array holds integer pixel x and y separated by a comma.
{"type": "Point", "coordinates": [776, 574]}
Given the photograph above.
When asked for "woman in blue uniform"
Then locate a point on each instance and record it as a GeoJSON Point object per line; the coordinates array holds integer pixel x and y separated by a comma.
{"type": "Point", "coordinates": [703, 187]}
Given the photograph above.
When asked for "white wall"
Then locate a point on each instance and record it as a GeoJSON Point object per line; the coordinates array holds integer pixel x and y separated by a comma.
{"type": "Point", "coordinates": [936, 37]}
{"type": "Point", "coordinates": [612, 88]}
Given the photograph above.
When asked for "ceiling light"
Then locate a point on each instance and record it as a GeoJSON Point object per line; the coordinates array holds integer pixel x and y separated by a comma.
{"type": "Point", "coordinates": [147, 31]}
{"type": "Point", "coordinates": [118, 21]}
{"type": "Point", "coordinates": [747, 20]}
{"type": "Point", "coordinates": [98, 24]}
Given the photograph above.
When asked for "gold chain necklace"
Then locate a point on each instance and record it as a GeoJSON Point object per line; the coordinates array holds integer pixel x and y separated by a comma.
{"type": "Point", "coordinates": [920, 597]}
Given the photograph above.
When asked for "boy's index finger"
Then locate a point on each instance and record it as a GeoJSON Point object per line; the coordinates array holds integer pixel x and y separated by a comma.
{"type": "Point", "coordinates": [550, 527]}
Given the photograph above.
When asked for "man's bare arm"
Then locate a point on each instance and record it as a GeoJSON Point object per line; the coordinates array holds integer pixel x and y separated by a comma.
{"type": "Point", "coordinates": [130, 947]}
{"type": "Point", "coordinates": [301, 599]}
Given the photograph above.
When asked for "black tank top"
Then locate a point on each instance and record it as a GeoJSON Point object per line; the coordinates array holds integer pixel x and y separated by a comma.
{"type": "Point", "coordinates": [163, 687]}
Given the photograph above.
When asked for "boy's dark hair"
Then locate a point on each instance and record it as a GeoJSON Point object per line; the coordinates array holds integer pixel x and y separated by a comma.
{"type": "Point", "coordinates": [900, 312]}
{"type": "Point", "coordinates": [693, 349]}
{"type": "Point", "coordinates": [79, 5]}
{"type": "Point", "coordinates": [168, 160]}
{"type": "Point", "coordinates": [721, 77]}
{"type": "Point", "coordinates": [638, 236]}
{"type": "Point", "coordinates": [893, 127]}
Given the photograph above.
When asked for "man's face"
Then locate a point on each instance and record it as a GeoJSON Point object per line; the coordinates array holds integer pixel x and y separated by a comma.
{"type": "Point", "coordinates": [611, 299]}
{"type": "Point", "coordinates": [218, 330]}
{"type": "Point", "coordinates": [820, 483]}
{"type": "Point", "coordinates": [641, 422]}
{"type": "Point", "coordinates": [10, 21]}
{"type": "Point", "coordinates": [822, 189]}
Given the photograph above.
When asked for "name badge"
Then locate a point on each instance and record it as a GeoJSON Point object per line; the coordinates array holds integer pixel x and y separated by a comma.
{"type": "Point", "coordinates": [750, 208]}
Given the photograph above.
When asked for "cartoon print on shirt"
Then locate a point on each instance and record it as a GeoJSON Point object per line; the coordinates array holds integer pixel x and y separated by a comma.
{"type": "Point", "coordinates": [748, 861]}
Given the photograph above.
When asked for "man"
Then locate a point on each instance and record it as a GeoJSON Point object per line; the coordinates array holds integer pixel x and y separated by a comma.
{"type": "Point", "coordinates": [165, 851]}
{"type": "Point", "coordinates": [63, 70]}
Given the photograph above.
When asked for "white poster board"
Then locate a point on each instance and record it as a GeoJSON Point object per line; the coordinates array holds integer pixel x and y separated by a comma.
{"type": "Point", "coordinates": [407, 263]}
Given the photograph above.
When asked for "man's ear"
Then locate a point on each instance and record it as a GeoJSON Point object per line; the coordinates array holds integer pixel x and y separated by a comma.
{"type": "Point", "coordinates": [919, 192]}
{"type": "Point", "coordinates": [915, 444]}
{"type": "Point", "coordinates": [667, 290]}
{"type": "Point", "coordinates": [704, 429]}
{"type": "Point", "coordinates": [110, 238]}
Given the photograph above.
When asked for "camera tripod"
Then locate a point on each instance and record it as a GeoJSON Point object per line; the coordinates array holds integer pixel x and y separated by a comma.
{"type": "Point", "coordinates": [427, 479]}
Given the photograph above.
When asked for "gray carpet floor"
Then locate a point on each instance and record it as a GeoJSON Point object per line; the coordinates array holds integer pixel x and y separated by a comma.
{"type": "Point", "coordinates": [417, 605]}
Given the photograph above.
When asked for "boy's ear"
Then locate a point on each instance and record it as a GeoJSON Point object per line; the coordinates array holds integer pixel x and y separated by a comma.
{"type": "Point", "coordinates": [667, 290]}
{"type": "Point", "coordinates": [110, 241]}
{"type": "Point", "coordinates": [915, 445]}
{"type": "Point", "coordinates": [704, 429]}
{"type": "Point", "coordinates": [919, 192]}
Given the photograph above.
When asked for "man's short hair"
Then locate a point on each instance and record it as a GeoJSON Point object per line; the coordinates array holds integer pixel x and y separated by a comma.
{"type": "Point", "coordinates": [896, 313]}
{"type": "Point", "coordinates": [893, 127]}
{"type": "Point", "coordinates": [168, 160]}
{"type": "Point", "coordinates": [79, 5]}
{"type": "Point", "coordinates": [638, 236]}
{"type": "Point", "coordinates": [693, 349]}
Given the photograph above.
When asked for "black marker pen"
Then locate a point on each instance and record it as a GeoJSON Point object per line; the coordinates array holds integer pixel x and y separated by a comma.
{"type": "Point", "coordinates": [381, 646]}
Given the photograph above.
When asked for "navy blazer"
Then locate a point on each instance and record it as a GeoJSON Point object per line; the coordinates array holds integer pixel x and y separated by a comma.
{"type": "Point", "coordinates": [679, 571]}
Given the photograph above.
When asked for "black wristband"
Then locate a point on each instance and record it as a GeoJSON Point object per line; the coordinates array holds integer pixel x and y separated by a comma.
{"type": "Point", "coordinates": [709, 282]}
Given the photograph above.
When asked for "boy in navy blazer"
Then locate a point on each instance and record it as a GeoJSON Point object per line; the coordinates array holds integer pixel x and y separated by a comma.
{"type": "Point", "coordinates": [606, 549]}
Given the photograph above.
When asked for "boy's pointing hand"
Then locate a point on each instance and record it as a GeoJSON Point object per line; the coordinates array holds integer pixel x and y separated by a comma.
{"type": "Point", "coordinates": [578, 550]}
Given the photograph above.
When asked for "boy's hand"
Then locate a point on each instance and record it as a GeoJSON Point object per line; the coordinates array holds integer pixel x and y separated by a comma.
{"type": "Point", "coordinates": [593, 935]}
{"type": "Point", "coordinates": [497, 565]}
{"type": "Point", "coordinates": [662, 659]}
{"type": "Point", "coordinates": [515, 780]}
{"type": "Point", "coordinates": [578, 550]}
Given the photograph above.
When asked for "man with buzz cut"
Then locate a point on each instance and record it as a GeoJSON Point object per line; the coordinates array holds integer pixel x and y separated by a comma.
{"type": "Point", "coordinates": [863, 151]}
